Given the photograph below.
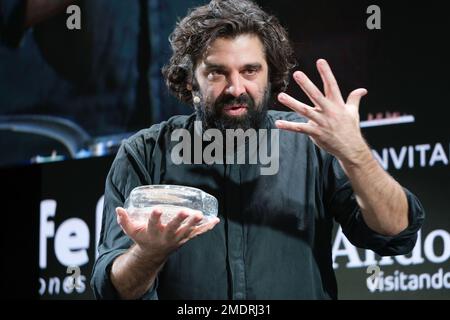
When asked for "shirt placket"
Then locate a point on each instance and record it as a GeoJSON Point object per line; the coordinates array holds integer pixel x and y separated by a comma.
{"type": "Point", "coordinates": [235, 234]}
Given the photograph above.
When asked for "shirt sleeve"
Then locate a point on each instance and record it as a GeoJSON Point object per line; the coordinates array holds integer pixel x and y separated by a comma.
{"type": "Point", "coordinates": [341, 202]}
{"type": "Point", "coordinates": [126, 173]}
{"type": "Point", "coordinates": [12, 20]}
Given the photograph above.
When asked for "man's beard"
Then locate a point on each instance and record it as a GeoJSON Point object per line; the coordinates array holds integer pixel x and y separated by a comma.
{"type": "Point", "coordinates": [212, 115]}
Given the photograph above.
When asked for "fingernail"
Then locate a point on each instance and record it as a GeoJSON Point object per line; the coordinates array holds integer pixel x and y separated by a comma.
{"type": "Point", "coordinates": [298, 75]}
{"type": "Point", "coordinates": [279, 123]}
{"type": "Point", "coordinates": [282, 96]}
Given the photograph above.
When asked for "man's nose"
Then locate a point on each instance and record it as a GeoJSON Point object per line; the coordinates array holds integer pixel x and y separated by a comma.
{"type": "Point", "coordinates": [235, 86]}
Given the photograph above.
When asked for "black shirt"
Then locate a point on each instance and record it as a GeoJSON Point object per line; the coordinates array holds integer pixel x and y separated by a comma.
{"type": "Point", "coordinates": [275, 234]}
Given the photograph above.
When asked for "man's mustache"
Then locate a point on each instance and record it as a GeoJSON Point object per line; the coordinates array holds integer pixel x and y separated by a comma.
{"type": "Point", "coordinates": [228, 100]}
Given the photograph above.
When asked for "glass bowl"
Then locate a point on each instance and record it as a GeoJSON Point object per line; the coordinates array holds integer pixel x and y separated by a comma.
{"type": "Point", "coordinates": [170, 199]}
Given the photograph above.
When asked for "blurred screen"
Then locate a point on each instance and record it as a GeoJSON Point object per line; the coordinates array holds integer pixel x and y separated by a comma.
{"type": "Point", "coordinates": [75, 84]}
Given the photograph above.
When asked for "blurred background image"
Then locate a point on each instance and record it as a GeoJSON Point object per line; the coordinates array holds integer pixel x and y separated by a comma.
{"type": "Point", "coordinates": [74, 93]}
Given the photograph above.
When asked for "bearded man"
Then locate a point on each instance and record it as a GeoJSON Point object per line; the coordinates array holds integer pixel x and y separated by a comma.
{"type": "Point", "coordinates": [272, 238]}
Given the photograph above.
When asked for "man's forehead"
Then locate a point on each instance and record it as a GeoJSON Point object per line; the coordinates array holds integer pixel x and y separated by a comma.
{"type": "Point", "coordinates": [247, 48]}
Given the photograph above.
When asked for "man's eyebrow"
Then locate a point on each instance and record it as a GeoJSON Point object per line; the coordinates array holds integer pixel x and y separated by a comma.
{"type": "Point", "coordinates": [217, 66]}
{"type": "Point", "coordinates": [209, 65]}
{"type": "Point", "coordinates": [255, 65]}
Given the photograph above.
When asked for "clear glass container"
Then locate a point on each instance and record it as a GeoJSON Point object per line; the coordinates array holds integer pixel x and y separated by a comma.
{"type": "Point", "coordinates": [170, 199]}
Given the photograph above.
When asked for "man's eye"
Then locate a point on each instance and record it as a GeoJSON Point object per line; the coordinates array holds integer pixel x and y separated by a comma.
{"type": "Point", "coordinates": [250, 72]}
{"type": "Point", "coordinates": [214, 75]}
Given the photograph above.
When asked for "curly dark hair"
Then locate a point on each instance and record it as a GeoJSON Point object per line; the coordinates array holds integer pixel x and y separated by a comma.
{"type": "Point", "coordinates": [226, 19]}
